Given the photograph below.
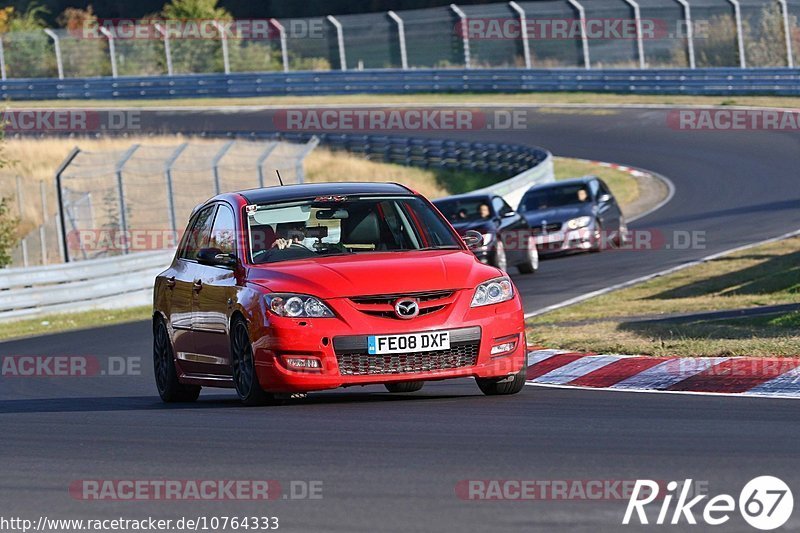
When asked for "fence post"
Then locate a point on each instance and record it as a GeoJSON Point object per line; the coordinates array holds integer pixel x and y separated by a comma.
{"type": "Point", "coordinates": [312, 143]}
{"type": "Point", "coordinates": [112, 49]}
{"type": "Point", "coordinates": [637, 16]}
{"type": "Point", "coordinates": [340, 40]}
{"type": "Point", "coordinates": [2, 60]}
{"type": "Point", "coordinates": [170, 193]}
{"type": "Point", "coordinates": [523, 26]}
{"type": "Point", "coordinates": [263, 157]}
{"type": "Point", "coordinates": [123, 209]}
{"type": "Point", "coordinates": [584, 38]}
{"type": "Point", "coordinates": [224, 38]}
{"type": "Point", "coordinates": [20, 213]}
{"type": "Point", "coordinates": [737, 13]}
{"type": "Point", "coordinates": [284, 48]}
{"type": "Point", "coordinates": [464, 34]}
{"type": "Point", "coordinates": [61, 220]}
{"type": "Point", "coordinates": [167, 51]}
{"type": "Point", "coordinates": [45, 220]}
{"type": "Point", "coordinates": [50, 33]}
{"type": "Point", "coordinates": [401, 36]}
{"type": "Point", "coordinates": [687, 18]}
{"type": "Point", "coordinates": [787, 32]}
{"type": "Point", "coordinates": [215, 165]}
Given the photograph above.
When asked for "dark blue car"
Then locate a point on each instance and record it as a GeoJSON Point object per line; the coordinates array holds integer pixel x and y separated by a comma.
{"type": "Point", "coordinates": [573, 215]}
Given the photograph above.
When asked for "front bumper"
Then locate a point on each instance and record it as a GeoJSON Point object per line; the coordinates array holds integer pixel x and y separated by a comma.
{"type": "Point", "coordinates": [565, 241]}
{"type": "Point", "coordinates": [339, 344]}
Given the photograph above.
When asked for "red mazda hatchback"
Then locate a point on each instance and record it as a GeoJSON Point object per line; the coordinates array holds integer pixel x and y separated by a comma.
{"type": "Point", "coordinates": [284, 290]}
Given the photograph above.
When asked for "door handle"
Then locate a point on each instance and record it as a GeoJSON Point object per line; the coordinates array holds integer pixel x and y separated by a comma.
{"type": "Point", "coordinates": [197, 285]}
{"type": "Point", "coordinates": [171, 282]}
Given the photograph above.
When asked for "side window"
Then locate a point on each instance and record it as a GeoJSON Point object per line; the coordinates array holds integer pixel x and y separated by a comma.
{"type": "Point", "coordinates": [223, 235]}
{"type": "Point", "coordinates": [594, 186]}
{"type": "Point", "coordinates": [198, 234]}
{"type": "Point", "coordinates": [500, 206]}
{"type": "Point", "coordinates": [603, 189]}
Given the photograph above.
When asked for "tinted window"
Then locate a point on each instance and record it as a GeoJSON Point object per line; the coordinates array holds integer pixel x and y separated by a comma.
{"type": "Point", "coordinates": [549, 197]}
{"type": "Point", "coordinates": [465, 209]}
{"type": "Point", "coordinates": [198, 234]}
{"type": "Point", "coordinates": [223, 236]}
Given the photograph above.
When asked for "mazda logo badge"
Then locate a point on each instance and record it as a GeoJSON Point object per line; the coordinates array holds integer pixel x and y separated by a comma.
{"type": "Point", "coordinates": [406, 308]}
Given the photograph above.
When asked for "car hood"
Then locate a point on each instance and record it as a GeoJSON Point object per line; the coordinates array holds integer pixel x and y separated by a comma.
{"type": "Point", "coordinates": [374, 273]}
{"type": "Point", "coordinates": [557, 214]}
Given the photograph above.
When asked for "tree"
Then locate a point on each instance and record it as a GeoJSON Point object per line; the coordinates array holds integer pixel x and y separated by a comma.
{"type": "Point", "coordinates": [28, 51]}
{"type": "Point", "coordinates": [8, 232]}
{"type": "Point", "coordinates": [82, 56]}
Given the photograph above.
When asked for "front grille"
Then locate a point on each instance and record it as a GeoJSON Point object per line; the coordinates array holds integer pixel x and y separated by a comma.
{"type": "Point", "coordinates": [363, 364]}
{"type": "Point", "coordinates": [383, 305]}
{"type": "Point", "coordinates": [389, 299]}
{"type": "Point", "coordinates": [548, 228]}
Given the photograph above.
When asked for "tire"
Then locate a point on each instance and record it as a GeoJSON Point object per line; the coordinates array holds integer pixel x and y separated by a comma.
{"type": "Point", "coordinates": [597, 238]}
{"type": "Point", "coordinates": [621, 238]}
{"type": "Point", "coordinates": [169, 388]}
{"type": "Point", "coordinates": [532, 264]}
{"type": "Point", "coordinates": [404, 386]}
{"type": "Point", "coordinates": [245, 379]}
{"type": "Point", "coordinates": [500, 259]}
{"type": "Point", "coordinates": [494, 386]}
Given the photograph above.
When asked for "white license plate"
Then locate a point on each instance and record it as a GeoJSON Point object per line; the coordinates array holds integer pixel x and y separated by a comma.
{"type": "Point", "coordinates": [550, 238]}
{"type": "Point", "coordinates": [408, 343]}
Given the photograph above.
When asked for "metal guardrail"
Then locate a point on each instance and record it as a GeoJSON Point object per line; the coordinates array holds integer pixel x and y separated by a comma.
{"type": "Point", "coordinates": [714, 81]}
{"type": "Point", "coordinates": [93, 284]}
{"type": "Point", "coordinates": [33, 291]}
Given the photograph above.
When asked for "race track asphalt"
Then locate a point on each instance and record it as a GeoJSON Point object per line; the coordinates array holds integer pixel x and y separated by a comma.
{"type": "Point", "coordinates": [392, 462]}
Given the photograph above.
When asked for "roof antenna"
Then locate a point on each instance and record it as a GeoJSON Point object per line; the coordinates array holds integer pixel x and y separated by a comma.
{"type": "Point", "coordinates": [278, 172]}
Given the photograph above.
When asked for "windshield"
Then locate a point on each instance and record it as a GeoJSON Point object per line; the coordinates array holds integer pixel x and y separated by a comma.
{"type": "Point", "coordinates": [465, 210]}
{"type": "Point", "coordinates": [335, 225]}
{"type": "Point", "coordinates": [550, 197]}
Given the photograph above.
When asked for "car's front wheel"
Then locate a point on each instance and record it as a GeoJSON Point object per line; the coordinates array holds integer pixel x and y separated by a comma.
{"type": "Point", "coordinates": [245, 379]}
{"type": "Point", "coordinates": [405, 386]}
{"type": "Point", "coordinates": [500, 259]}
{"type": "Point", "coordinates": [169, 388]}
{"type": "Point", "coordinates": [531, 263]}
{"type": "Point", "coordinates": [502, 386]}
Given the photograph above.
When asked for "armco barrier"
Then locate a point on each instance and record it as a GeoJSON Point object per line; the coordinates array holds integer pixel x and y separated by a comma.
{"type": "Point", "coordinates": [127, 281]}
{"type": "Point", "coordinates": [713, 81]}
{"type": "Point", "coordinates": [114, 282]}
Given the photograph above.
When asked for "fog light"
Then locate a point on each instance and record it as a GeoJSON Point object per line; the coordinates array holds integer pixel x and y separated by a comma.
{"type": "Point", "coordinates": [303, 363]}
{"type": "Point", "coordinates": [503, 348]}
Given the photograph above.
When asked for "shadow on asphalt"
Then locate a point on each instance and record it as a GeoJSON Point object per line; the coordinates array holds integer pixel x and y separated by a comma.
{"type": "Point", "coordinates": [153, 403]}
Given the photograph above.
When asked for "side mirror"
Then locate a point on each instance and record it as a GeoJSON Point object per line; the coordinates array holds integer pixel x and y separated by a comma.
{"type": "Point", "coordinates": [509, 214]}
{"type": "Point", "coordinates": [472, 238]}
{"type": "Point", "coordinates": [603, 198]}
{"type": "Point", "coordinates": [215, 257]}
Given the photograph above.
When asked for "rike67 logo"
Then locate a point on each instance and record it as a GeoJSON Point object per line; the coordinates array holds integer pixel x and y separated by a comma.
{"type": "Point", "coordinates": [765, 503]}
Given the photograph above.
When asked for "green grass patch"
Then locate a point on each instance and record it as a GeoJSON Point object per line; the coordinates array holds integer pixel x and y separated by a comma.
{"type": "Point", "coordinates": [765, 275]}
{"type": "Point", "coordinates": [71, 321]}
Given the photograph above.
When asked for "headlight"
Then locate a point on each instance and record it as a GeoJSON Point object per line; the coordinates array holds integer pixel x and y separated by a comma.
{"type": "Point", "coordinates": [297, 306]}
{"type": "Point", "coordinates": [580, 222]}
{"type": "Point", "coordinates": [493, 291]}
{"type": "Point", "coordinates": [487, 238]}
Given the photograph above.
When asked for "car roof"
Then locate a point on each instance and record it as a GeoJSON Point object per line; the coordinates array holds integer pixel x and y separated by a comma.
{"type": "Point", "coordinates": [562, 183]}
{"type": "Point", "coordinates": [466, 196]}
{"type": "Point", "coordinates": [310, 190]}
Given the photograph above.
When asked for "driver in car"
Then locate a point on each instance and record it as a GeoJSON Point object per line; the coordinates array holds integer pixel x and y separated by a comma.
{"type": "Point", "coordinates": [290, 235]}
